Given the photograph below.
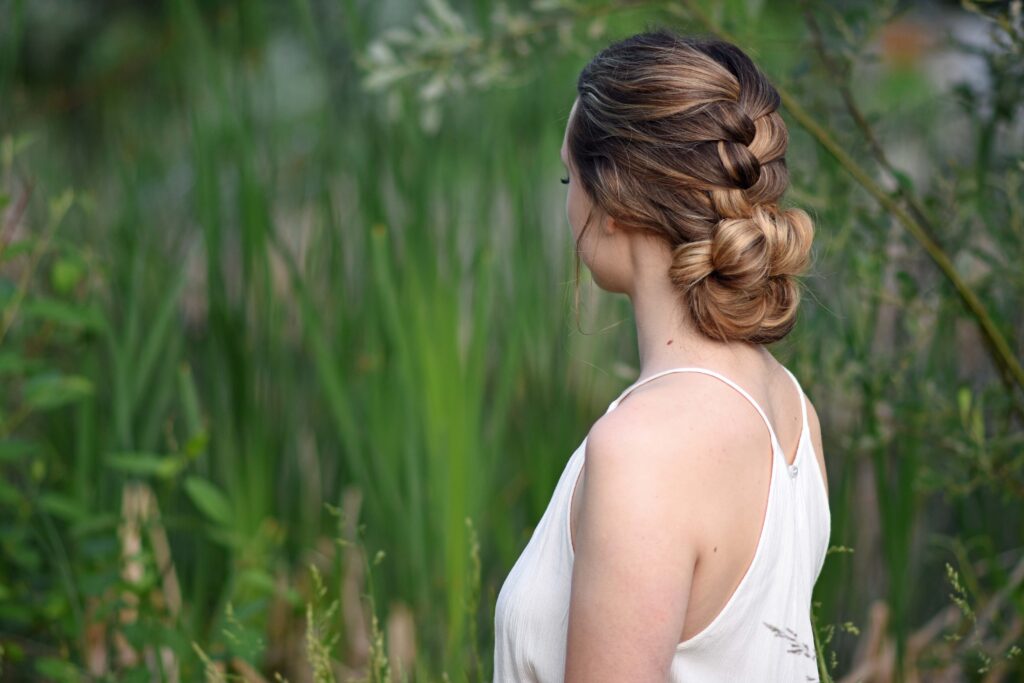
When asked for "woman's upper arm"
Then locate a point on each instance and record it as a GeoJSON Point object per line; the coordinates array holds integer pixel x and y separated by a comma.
{"type": "Point", "coordinates": [636, 546]}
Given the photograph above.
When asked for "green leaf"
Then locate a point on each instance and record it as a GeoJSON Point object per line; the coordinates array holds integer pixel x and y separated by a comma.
{"type": "Point", "coordinates": [52, 390]}
{"type": "Point", "coordinates": [63, 313]}
{"type": "Point", "coordinates": [13, 146]}
{"type": "Point", "coordinates": [22, 246]}
{"type": "Point", "coordinates": [257, 579]}
{"type": "Point", "coordinates": [146, 464]}
{"type": "Point", "coordinates": [20, 615]}
{"type": "Point", "coordinates": [64, 507]}
{"type": "Point", "coordinates": [978, 423]}
{"type": "Point", "coordinates": [209, 499]}
{"type": "Point", "coordinates": [66, 274]}
{"type": "Point", "coordinates": [196, 444]}
{"type": "Point", "coordinates": [9, 495]}
{"type": "Point", "coordinates": [93, 524]}
{"type": "Point", "coordinates": [17, 449]}
{"type": "Point", "coordinates": [57, 670]}
{"type": "Point", "coordinates": [13, 363]}
{"type": "Point", "coordinates": [963, 400]}
{"type": "Point", "coordinates": [904, 180]}
{"type": "Point", "coordinates": [60, 204]}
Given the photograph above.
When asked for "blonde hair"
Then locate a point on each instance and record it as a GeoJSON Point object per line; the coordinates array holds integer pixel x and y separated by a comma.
{"type": "Point", "coordinates": [679, 137]}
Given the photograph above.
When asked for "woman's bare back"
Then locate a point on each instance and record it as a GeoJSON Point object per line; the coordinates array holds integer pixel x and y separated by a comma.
{"type": "Point", "coordinates": [736, 480]}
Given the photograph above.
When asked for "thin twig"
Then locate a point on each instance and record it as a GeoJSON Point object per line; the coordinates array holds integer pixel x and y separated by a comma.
{"type": "Point", "coordinates": [842, 82]}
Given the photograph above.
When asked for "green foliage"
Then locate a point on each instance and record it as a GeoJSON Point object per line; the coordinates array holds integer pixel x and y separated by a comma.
{"type": "Point", "coordinates": [959, 594]}
{"type": "Point", "coordinates": [312, 250]}
{"type": "Point", "coordinates": [320, 639]}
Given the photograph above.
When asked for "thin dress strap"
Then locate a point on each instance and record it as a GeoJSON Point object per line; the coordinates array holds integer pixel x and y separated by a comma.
{"type": "Point", "coordinates": [803, 399]}
{"type": "Point", "coordinates": [775, 439]}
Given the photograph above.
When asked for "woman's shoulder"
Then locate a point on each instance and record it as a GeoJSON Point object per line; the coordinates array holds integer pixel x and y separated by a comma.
{"type": "Point", "coordinates": [694, 403]}
{"type": "Point", "coordinates": [679, 422]}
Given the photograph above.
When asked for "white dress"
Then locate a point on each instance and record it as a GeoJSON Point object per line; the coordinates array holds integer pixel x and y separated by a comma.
{"type": "Point", "coordinates": [762, 634]}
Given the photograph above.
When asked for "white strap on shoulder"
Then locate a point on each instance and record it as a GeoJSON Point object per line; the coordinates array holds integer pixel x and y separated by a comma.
{"type": "Point", "coordinates": [712, 373]}
{"type": "Point", "coordinates": [803, 399]}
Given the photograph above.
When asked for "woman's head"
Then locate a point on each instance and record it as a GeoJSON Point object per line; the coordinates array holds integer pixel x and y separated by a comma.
{"type": "Point", "coordinates": [679, 139]}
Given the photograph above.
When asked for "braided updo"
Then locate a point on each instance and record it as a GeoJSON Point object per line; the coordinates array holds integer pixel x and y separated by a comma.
{"type": "Point", "coordinates": [679, 137]}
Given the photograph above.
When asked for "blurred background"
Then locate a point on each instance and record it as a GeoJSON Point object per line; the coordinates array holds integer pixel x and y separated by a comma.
{"type": "Point", "coordinates": [291, 363]}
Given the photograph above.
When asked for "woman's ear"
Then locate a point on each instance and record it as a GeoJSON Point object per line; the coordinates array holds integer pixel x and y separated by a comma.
{"type": "Point", "coordinates": [610, 226]}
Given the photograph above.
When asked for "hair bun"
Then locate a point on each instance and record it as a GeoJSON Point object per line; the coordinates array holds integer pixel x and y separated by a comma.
{"type": "Point", "coordinates": [741, 284]}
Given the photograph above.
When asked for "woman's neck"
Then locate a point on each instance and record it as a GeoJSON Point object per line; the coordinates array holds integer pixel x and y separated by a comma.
{"type": "Point", "coordinates": [666, 336]}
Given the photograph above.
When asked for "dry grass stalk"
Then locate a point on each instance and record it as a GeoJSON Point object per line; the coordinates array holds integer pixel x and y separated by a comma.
{"type": "Point", "coordinates": [138, 510]}
{"type": "Point", "coordinates": [95, 640]}
{"type": "Point", "coordinates": [875, 659]}
{"type": "Point", "coordinates": [246, 671]}
{"type": "Point", "coordinates": [401, 634]}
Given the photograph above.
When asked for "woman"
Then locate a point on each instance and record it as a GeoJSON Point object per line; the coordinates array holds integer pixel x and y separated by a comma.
{"type": "Point", "coordinates": [687, 546]}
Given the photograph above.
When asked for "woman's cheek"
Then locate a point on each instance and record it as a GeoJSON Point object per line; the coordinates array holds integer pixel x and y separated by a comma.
{"type": "Point", "coordinates": [576, 210]}
{"type": "Point", "coordinates": [570, 212]}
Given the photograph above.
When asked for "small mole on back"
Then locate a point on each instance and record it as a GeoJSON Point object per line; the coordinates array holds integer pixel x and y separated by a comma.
{"type": "Point", "coordinates": [716, 549]}
{"type": "Point", "coordinates": [669, 343]}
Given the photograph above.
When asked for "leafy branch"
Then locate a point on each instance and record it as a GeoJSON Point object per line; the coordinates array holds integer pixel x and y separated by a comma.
{"type": "Point", "coordinates": [442, 55]}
